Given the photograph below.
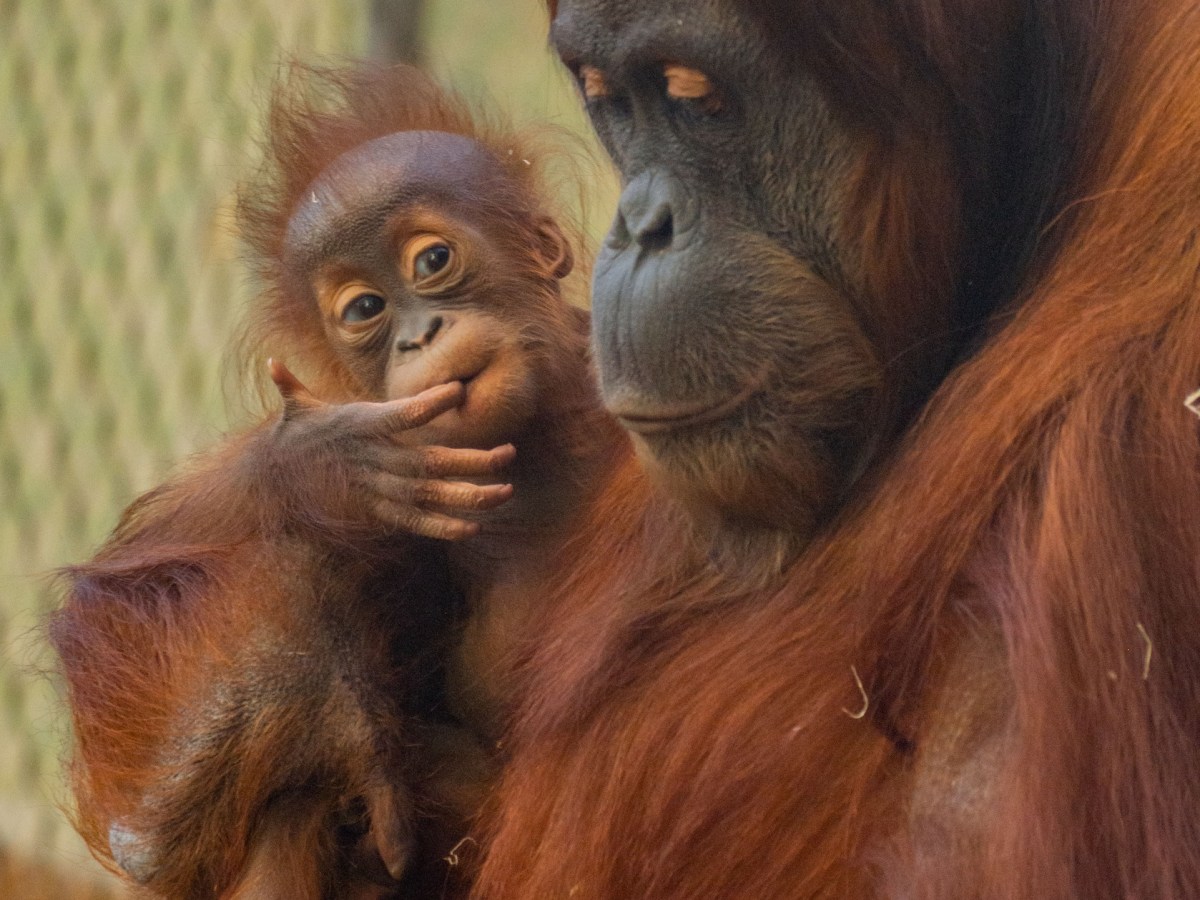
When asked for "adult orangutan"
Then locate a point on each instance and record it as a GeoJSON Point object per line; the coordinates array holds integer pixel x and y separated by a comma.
{"type": "Point", "coordinates": [254, 658]}
{"type": "Point", "coordinates": [982, 679]}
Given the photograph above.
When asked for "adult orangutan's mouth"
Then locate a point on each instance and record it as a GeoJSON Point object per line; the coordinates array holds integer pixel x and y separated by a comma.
{"type": "Point", "coordinates": [645, 419]}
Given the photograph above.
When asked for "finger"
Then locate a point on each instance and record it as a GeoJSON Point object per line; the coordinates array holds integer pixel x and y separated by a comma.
{"type": "Point", "coordinates": [460, 495]}
{"type": "Point", "coordinates": [424, 524]}
{"type": "Point", "coordinates": [449, 495]}
{"type": "Point", "coordinates": [412, 412]}
{"type": "Point", "coordinates": [293, 391]}
{"type": "Point", "coordinates": [443, 462]}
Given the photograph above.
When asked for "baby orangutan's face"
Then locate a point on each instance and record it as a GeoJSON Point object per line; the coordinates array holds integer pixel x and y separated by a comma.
{"type": "Point", "coordinates": [423, 275]}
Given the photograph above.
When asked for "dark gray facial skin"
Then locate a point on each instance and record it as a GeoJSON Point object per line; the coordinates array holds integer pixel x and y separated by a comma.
{"type": "Point", "coordinates": [726, 317]}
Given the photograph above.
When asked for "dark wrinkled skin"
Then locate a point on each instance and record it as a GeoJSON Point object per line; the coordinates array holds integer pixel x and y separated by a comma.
{"type": "Point", "coordinates": [722, 292]}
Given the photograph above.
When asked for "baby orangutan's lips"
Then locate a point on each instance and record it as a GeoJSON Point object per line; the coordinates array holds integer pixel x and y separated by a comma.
{"type": "Point", "coordinates": [469, 375]}
{"type": "Point", "coordinates": [469, 378]}
{"type": "Point", "coordinates": [463, 355]}
{"type": "Point", "coordinates": [646, 419]}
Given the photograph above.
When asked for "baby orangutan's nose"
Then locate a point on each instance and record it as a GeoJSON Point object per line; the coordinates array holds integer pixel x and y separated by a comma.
{"type": "Point", "coordinates": [426, 332]}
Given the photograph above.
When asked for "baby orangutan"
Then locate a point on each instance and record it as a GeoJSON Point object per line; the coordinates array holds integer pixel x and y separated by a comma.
{"type": "Point", "coordinates": [311, 578]}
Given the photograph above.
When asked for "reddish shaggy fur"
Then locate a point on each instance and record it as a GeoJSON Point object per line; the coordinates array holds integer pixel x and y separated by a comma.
{"type": "Point", "coordinates": [683, 737]}
{"type": "Point", "coordinates": [675, 746]}
{"type": "Point", "coordinates": [315, 116]}
{"type": "Point", "coordinates": [211, 581]}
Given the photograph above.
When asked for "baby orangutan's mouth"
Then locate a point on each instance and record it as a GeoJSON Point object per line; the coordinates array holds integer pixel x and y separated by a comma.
{"type": "Point", "coordinates": [470, 376]}
{"type": "Point", "coordinates": [464, 361]}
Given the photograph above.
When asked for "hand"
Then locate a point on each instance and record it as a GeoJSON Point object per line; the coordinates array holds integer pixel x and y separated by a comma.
{"type": "Point", "coordinates": [357, 465]}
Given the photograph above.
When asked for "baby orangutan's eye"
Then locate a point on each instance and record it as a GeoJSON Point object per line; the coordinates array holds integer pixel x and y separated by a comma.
{"type": "Point", "coordinates": [363, 308]}
{"type": "Point", "coordinates": [431, 260]}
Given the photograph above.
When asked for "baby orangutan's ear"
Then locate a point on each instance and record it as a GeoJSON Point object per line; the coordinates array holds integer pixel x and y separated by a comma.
{"type": "Point", "coordinates": [553, 248]}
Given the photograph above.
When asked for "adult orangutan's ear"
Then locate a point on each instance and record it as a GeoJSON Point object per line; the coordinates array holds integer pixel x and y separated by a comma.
{"type": "Point", "coordinates": [554, 249]}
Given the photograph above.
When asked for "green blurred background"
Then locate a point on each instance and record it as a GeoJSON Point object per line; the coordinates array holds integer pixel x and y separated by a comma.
{"type": "Point", "coordinates": [125, 125]}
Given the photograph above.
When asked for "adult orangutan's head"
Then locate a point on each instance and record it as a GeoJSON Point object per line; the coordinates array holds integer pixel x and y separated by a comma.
{"type": "Point", "coordinates": [792, 258]}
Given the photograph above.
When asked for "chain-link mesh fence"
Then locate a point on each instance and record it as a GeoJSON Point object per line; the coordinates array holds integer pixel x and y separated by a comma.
{"type": "Point", "coordinates": [124, 128]}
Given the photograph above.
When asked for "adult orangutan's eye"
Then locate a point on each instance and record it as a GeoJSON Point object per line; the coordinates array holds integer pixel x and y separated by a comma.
{"type": "Point", "coordinates": [593, 83]}
{"type": "Point", "coordinates": [692, 86]}
{"type": "Point", "coordinates": [363, 308]}
{"type": "Point", "coordinates": [431, 260]}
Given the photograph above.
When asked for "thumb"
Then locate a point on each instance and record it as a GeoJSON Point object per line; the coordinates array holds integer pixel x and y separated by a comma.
{"type": "Point", "coordinates": [295, 395]}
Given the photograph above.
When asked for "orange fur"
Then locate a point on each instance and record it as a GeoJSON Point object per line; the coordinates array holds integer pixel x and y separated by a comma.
{"type": "Point", "coordinates": [1049, 495]}
{"type": "Point", "coordinates": [247, 666]}
{"type": "Point", "coordinates": [685, 734]}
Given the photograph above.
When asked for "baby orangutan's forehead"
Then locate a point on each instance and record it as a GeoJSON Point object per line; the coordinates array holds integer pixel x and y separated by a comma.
{"type": "Point", "coordinates": [352, 199]}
